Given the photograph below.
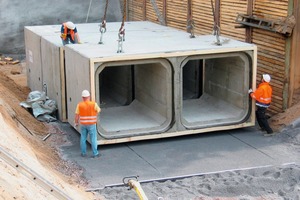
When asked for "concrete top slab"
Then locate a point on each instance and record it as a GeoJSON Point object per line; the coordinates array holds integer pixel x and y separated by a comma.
{"type": "Point", "coordinates": [148, 38]}
{"type": "Point", "coordinates": [141, 38]}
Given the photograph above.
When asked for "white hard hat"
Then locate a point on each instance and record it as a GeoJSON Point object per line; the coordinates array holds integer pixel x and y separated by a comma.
{"type": "Point", "coordinates": [267, 77]}
{"type": "Point", "coordinates": [70, 25]}
{"type": "Point", "coordinates": [85, 93]}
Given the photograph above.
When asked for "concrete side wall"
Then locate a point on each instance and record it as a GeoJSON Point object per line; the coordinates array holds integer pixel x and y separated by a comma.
{"type": "Point", "coordinates": [78, 78]}
{"type": "Point", "coordinates": [15, 14]}
{"type": "Point", "coordinates": [33, 60]}
{"type": "Point", "coordinates": [53, 79]}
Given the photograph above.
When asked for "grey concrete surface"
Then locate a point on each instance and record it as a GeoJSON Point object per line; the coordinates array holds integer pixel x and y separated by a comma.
{"type": "Point", "coordinates": [16, 14]}
{"type": "Point", "coordinates": [182, 156]}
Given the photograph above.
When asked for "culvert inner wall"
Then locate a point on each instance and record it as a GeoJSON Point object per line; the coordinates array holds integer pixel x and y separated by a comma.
{"type": "Point", "coordinates": [214, 90]}
{"type": "Point", "coordinates": [135, 98]}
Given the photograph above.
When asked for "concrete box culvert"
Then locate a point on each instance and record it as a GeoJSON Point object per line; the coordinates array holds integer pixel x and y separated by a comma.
{"type": "Point", "coordinates": [158, 87]}
{"type": "Point", "coordinates": [135, 97]}
{"type": "Point", "coordinates": [213, 90]}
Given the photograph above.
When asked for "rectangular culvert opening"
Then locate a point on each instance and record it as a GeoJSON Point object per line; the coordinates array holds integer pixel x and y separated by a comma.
{"type": "Point", "coordinates": [214, 90]}
{"type": "Point", "coordinates": [135, 98]}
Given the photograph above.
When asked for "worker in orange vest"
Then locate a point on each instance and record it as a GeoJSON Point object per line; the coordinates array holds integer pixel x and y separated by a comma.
{"type": "Point", "coordinates": [263, 95]}
{"type": "Point", "coordinates": [86, 114]}
{"type": "Point", "coordinates": [69, 33]}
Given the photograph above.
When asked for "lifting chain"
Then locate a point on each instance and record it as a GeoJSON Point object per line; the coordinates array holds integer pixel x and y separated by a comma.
{"type": "Point", "coordinates": [216, 28]}
{"type": "Point", "coordinates": [103, 24]}
{"type": "Point", "coordinates": [121, 33]}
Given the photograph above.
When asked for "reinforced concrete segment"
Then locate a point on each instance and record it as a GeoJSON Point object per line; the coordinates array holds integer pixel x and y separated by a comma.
{"type": "Point", "coordinates": [163, 84]}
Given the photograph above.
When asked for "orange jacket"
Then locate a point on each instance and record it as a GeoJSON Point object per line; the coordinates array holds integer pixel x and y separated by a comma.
{"type": "Point", "coordinates": [64, 35]}
{"type": "Point", "coordinates": [87, 113]}
{"type": "Point", "coordinates": [262, 94]}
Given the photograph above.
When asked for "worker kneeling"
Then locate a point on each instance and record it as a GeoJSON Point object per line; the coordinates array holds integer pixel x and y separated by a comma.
{"type": "Point", "coordinates": [69, 33]}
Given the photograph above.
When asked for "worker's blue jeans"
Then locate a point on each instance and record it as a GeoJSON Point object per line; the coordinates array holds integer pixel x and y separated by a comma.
{"type": "Point", "coordinates": [91, 130]}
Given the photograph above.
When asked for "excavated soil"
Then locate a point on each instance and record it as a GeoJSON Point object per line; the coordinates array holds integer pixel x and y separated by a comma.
{"type": "Point", "coordinates": [22, 137]}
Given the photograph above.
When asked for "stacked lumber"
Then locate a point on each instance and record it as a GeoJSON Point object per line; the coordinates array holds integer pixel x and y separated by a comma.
{"type": "Point", "coordinates": [228, 12]}
{"type": "Point", "coordinates": [272, 51]}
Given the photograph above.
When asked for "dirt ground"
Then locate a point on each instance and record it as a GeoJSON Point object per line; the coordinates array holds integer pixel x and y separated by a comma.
{"type": "Point", "coordinates": [22, 137]}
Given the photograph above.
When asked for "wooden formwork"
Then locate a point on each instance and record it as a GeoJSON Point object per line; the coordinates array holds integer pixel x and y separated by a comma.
{"type": "Point", "coordinates": [276, 52]}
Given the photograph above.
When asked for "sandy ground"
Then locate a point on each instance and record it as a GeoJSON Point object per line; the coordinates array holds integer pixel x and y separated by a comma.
{"type": "Point", "coordinates": [22, 137]}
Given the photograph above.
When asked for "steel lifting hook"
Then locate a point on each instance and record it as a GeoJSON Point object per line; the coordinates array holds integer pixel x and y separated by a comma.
{"type": "Point", "coordinates": [216, 32]}
{"type": "Point", "coordinates": [120, 40]}
{"type": "Point", "coordinates": [102, 31]}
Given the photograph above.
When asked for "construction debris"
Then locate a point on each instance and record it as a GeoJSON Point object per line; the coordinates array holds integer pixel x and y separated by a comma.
{"type": "Point", "coordinates": [43, 108]}
{"type": "Point", "coordinates": [8, 58]}
{"type": "Point", "coordinates": [3, 63]}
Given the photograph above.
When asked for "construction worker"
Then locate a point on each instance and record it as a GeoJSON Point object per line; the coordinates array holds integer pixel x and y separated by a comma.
{"type": "Point", "coordinates": [69, 33]}
{"type": "Point", "coordinates": [263, 95]}
{"type": "Point", "coordinates": [86, 114]}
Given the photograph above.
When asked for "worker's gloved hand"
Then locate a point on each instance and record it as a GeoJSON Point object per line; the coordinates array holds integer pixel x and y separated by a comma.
{"type": "Point", "coordinates": [63, 35]}
{"type": "Point", "coordinates": [250, 91]}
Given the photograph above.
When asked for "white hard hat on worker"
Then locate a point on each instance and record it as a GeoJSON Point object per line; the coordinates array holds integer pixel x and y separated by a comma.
{"type": "Point", "coordinates": [70, 25]}
{"type": "Point", "coordinates": [266, 77]}
{"type": "Point", "coordinates": [85, 93]}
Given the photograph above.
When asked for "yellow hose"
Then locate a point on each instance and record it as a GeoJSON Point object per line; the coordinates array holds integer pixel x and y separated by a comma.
{"type": "Point", "coordinates": [138, 189]}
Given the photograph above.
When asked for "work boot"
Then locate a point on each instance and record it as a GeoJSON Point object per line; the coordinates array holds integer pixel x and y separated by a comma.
{"type": "Point", "coordinates": [270, 133]}
{"type": "Point", "coordinates": [96, 156]}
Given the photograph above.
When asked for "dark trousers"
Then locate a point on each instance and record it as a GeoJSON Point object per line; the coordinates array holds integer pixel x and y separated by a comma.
{"type": "Point", "coordinates": [262, 120]}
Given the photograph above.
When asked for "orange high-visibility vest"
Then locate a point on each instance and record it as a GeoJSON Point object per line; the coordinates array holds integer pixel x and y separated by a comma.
{"type": "Point", "coordinates": [87, 113]}
{"type": "Point", "coordinates": [263, 93]}
{"type": "Point", "coordinates": [72, 33]}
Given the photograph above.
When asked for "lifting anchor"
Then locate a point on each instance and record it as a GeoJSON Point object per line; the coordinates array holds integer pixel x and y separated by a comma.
{"type": "Point", "coordinates": [121, 39]}
{"type": "Point", "coordinates": [216, 28]}
{"type": "Point", "coordinates": [190, 27]}
{"type": "Point", "coordinates": [132, 182]}
{"type": "Point", "coordinates": [102, 31]}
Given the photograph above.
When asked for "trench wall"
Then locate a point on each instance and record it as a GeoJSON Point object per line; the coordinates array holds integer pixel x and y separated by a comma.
{"type": "Point", "coordinates": [277, 54]}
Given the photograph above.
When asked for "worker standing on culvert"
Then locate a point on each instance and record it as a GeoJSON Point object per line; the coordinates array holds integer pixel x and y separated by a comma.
{"type": "Point", "coordinates": [86, 114]}
{"type": "Point", "coordinates": [263, 95]}
{"type": "Point", "coordinates": [69, 33]}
